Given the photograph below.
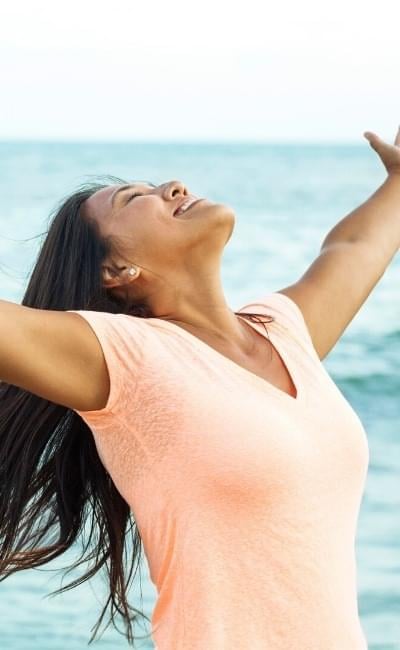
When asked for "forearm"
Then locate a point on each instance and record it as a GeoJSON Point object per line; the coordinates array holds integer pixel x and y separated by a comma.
{"type": "Point", "coordinates": [376, 221]}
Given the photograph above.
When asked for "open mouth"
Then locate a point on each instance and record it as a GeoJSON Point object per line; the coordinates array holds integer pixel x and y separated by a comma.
{"type": "Point", "coordinates": [182, 214]}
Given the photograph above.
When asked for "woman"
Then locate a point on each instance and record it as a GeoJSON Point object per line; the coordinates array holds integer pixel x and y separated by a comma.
{"type": "Point", "coordinates": [133, 393]}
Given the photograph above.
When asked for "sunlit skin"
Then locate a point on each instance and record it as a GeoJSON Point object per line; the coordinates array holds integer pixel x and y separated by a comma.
{"type": "Point", "coordinates": [177, 259]}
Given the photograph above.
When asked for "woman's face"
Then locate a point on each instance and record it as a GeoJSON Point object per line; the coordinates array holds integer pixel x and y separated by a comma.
{"type": "Point", "coordinates": [140, 219]}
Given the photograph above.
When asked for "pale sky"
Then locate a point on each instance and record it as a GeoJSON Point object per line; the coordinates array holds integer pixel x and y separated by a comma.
{"type": "Point", "coordinates": [177, 70]}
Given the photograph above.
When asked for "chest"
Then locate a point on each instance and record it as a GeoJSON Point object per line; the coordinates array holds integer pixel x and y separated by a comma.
{"type": "Point", "coordinates": [266, 363]}
{"type": "Point", "coordinates": [263, 361]}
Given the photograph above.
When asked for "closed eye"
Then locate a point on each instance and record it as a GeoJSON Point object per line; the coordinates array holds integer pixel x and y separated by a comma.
{"type": "Point", "coordinates": [133, 196]}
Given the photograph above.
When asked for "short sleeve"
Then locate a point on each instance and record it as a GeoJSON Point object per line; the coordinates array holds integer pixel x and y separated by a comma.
{"type": "Point", "coordinates": [288, 314]}
{"type": "Point", "coordinates": [121, 339]}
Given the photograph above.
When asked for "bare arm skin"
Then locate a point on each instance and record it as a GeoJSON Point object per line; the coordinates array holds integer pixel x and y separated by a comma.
{"type": "Point", "coordinates": [353, 258]}
{"type": "Point", "coordinates": [53, 354]}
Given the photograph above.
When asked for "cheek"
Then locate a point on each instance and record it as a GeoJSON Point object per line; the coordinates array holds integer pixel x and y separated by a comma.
{"type": "Point", "coordinates": [150, 238]}
{"type": "Point", "coordinates": [162, 244]}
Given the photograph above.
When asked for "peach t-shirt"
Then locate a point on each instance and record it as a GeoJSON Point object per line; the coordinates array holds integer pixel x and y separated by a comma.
{"type": "Point", "coordinates": [246, 499]}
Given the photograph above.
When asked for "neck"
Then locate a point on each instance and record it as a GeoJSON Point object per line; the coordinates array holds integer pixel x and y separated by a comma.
{"type": "Point", "coordinates": [204, 312]}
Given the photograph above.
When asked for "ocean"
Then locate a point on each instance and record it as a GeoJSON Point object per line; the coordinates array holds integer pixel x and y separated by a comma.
{"type": "Point", "coordinates": [286, 198]}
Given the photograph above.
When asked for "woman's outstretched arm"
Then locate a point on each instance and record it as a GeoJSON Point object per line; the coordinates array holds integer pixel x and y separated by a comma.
{"type": "Point", "coordinates": [53, 354]}
{"type": "Point", "coordinates": [354, 255]}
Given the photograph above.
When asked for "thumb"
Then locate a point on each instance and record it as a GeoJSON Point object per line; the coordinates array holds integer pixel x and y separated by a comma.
{"type": "Point", "coordinates": [375, 141]}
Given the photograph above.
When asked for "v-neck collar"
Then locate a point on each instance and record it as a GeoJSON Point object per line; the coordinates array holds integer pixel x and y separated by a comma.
{"type": "Point", "coordinates": [280, 349]}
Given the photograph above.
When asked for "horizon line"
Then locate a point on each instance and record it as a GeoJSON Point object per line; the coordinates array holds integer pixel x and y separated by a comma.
{"type": "Point", "coordinates": [189, 141]}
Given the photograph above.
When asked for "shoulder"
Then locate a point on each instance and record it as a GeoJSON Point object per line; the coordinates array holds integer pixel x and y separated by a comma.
{"type": "Point", "coordinates": [286, 314]}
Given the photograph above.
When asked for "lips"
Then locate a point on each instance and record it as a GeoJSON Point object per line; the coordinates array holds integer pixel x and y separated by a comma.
{"type": "Point", "coordinates": [177, 216]}
{"type": "Point", "coordinates": [186, 199]}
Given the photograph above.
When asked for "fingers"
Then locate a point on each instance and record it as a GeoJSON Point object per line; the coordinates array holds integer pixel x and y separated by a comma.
{"type": "Point", "coordinates": [374, 140]}
{"type": "Point", "coordinates": [369, 135]}
{"type": "Point", "coordinates": [377, 143]}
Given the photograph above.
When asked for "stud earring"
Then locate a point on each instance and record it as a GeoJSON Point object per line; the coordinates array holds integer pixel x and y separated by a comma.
{"type": "Point", "coordinates": [132, 271]}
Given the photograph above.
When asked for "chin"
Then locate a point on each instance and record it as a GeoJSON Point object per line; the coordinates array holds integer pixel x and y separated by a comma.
{"type": "Point", "coordinates": [212, 225]}
{"type": "Point", "coordinates": [223, 219]}
{"type": "Point", "coordinates": [233, 221]}
{"type": "Point", "coordinates": [221, 211]}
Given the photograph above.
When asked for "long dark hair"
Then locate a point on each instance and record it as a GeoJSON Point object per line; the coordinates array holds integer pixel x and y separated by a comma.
{"type": "Point", "coordinates": [51, 477]}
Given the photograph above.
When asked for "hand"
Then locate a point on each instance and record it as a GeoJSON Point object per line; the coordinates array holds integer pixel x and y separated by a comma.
{"type": "Point", "coordinates": [388, 153]}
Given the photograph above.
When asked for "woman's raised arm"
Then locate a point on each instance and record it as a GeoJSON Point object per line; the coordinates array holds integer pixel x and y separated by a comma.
{"type": "Point", "coordinates": [53, 354]}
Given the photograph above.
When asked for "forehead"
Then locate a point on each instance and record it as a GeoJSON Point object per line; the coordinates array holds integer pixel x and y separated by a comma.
{"type": "Point", "coordinates": [99, 204]}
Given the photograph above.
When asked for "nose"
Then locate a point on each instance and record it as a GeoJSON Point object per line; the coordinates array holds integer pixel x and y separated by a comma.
{"type": "Point", "coordinates": [173, 189]}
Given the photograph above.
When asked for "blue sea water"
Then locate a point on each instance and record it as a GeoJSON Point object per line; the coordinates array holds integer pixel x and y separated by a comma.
{"type": "Point", "coordinates": [286, 198]}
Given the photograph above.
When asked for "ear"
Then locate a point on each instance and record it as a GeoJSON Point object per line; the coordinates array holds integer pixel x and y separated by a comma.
{"type": "Point", "coordinates": [113, 277]}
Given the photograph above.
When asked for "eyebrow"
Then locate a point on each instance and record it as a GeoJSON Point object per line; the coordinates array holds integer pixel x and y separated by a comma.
{"type": "Point", "coordinates": [125, 187]}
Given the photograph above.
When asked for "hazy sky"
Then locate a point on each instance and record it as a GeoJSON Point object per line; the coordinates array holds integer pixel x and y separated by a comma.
{"type": "Point", "coordinates": [211, 69]}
